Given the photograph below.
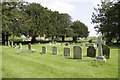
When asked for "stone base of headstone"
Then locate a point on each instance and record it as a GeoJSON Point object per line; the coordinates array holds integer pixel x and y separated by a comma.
{"type": "Point", "coordinates": [101, 58]}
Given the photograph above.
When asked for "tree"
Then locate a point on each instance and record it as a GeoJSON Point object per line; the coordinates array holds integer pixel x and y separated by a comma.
{"type": "Point", "coordinates": [107, 20]}
{"type": "Point", "coordinates": [79, 29]}
{"type": "Point", "coordinates": [9, 21]}
{"type": "Point", "coordinates": [64, 24]}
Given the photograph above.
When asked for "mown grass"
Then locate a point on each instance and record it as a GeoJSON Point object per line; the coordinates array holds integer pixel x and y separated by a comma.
{"type": "Point", "coordinates": [16, 64]}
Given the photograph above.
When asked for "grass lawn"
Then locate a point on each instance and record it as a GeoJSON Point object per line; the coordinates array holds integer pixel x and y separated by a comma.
{"type": "Point", "coordinates": [35, 65]}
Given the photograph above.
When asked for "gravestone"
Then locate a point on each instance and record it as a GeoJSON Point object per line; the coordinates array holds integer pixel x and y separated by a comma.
{"type": "Point", "coordinates": [66, 51]}
{"type": "Point", "coordinates": [5, 43]}
{"type": "Point", "coordinates": [20, 46]}
{"type": "Point", "coordinates": [29, 46]}
{"type": "Point", "coordinates": [91, 51]}
{"type": "Point", "coordinates": [44, 50]}
{"type": "Point", "coordinates": [15, 45]}
{"type": "Point", "coordinates": [77, 51]}
{"type": "Point", "coordinates": [100, 56]}
{"type": "Point", "coordinates": [54, 50]}
{"type": "Point", "coordinates": [89, 44]}
{"type": "Point", "coordinates": [106, 51]}
{"type": "Point", "coordinates": [11, 43]}
{"type": "Point", "coordinates": [8, 43]}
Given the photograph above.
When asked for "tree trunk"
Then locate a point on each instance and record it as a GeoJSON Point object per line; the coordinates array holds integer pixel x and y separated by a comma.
{"type": "Point", "coordinates": [4, 38]}
{"type": "Point", "coordinates": [75, 39]}
{"type": "Point", "coordinates": [63, 38]}
{"type": "Point", "coordinates": [33, 39]}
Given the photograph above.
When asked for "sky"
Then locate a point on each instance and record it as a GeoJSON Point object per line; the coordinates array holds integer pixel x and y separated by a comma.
{"type": "Point", "coordinates": [77, 9]}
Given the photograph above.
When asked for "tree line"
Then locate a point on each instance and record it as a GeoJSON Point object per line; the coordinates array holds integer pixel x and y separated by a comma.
{"type": "Point", "coordinates": [33, 19]}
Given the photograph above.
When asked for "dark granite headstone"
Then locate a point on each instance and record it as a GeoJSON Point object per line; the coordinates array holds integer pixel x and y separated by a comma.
{"type": "Point", "coordinates": [91, 51]}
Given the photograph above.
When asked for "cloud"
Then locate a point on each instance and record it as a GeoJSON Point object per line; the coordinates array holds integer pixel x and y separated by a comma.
{"type": "Point", "coordinates": [56, 5]}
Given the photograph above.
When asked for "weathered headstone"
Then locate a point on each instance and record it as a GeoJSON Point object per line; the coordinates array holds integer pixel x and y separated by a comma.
{"type": "Point", "coordinates": [77, 51]}
{"type": "Point", "coordinates": [15, 45]}
{"type": "Point", "coordinates": [106, 51]}
{"type": "Point", "coordinates": [91, 51]}
{"type": "Point", "coordinates": [5, 43]}
{"type": "Point", "coordinates": [44, 50]}
{"type": "Point", "coordinates": [29, 46]}
{"type": "Point", "coordinates": [8, 43]}
{"type": "Point", "coordinates": [66, 51]}
{"type": "Point", "coordinates": [54, 50]}
{"type": "Point", "coordinates": [100, 53]}
{"type": "Point", "coordinates": [20, 46]}
{"type": "Point", "coordinates": [11, 43]}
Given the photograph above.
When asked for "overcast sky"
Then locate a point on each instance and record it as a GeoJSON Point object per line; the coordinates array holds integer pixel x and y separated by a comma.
{"type": "Point", "coordinates": [77, 9]}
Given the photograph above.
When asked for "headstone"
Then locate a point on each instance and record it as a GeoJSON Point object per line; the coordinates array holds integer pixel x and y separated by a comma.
{"type": "Point", "coordinates": [66, 51]}
{"type": "Point", "coordinates": [54, 50]}
{"type": "Point", "coordinates": [11, 43]}
{"type": "Point", "coordinates": [8, 43]}
{"type": "Point", "coordinates": [29, 46]}
{"type": "Point", "coordinates": [77, 51]}
{"type": "Point", "coordinates": [44, 50]}
{"type": "Point", "coordinates": [20, 46]}
{"type": "Point", "coordinates": [5, 43]}
{"type": "Point", "coordinates": [100, 53]}
{"type": "Point", "coordinates": [15, 45]}
{"type": "Point", "coordinates": [91, 51]}
{"type": "Point", "coordinates": [106, 51]}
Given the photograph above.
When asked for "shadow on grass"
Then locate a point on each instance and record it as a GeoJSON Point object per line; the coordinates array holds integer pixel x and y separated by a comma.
{"type": "Point", "coordinates": [83, 60]}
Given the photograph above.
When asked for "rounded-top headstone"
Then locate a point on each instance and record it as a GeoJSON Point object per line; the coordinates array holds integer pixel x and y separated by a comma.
{"type": "Point", "coordinates": [29, 46]}
{"type": "Point", "coordinates": [77, 50]}
{"type": "Point", "coordinates": [44, 50]}
{"type": "Point", "coordinates": [54, 50]}
{"type": "Point", "coordinates": [91, 51]}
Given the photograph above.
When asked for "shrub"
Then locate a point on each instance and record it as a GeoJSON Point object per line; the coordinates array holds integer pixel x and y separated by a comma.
{"type": "Point", "coordinates": [15, 39]}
